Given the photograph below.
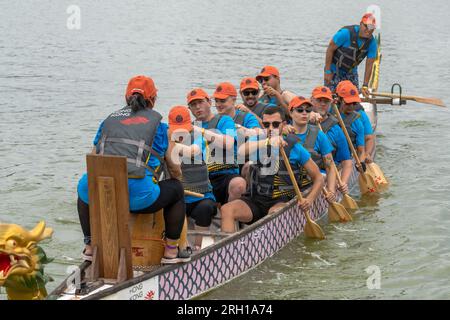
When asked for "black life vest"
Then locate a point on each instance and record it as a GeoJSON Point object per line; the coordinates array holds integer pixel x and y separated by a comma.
{"type": "Point", "coordinates": [240, 117]}
{"type": "Point", "coordinates": [326, 126]}
{"type": "Point", "coordinates": [258, 109]}
{"type": "Point", "coordinates": [350, 57]}
{"type": "Point", "coordinates": [195, 175]}
{"type": "Point", "coordinates": [279, 184]}
{"type": "Point", "coordinates": [215, 167]}
{"type": "Point", "coordinates": [310, 141]}
{"type": "Point", "coordinates": [349, 119]}
{"type": "Point", "coordinates": [131, 134]}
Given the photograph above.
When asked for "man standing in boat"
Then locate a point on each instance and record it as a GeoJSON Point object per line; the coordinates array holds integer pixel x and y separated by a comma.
{"type": "Point", "coordinates": [347, 49]}
{"type": "Point", "coordinates": [321, 99]}
{"type": "Point", "coordinates": [219, 132]}
{"type": "Point", "coordinates": [271, 187]}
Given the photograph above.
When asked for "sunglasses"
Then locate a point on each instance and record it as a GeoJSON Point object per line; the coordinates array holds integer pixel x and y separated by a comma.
{"type": "Point", "coordinates": [263, 79]}
{"type": "Point", "coordinates": [246, 93]}
{"type": "Point", "coordinates": [369, 27]}
{"type": "Point", "coordinates": [301, 109]}
{"type": "Point", "coordinates": [274, 124]}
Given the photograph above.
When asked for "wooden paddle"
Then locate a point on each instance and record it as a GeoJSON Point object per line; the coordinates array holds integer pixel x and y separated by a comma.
{"type": "Point", "coordinates": [375, 171]}
{"type": "Point", "coordinates": [336, 211]}
{"type": "Point", "coordinates": [312, 229]}
{"type": "Point", "coordinates": [366, 181]}
{"type": "Point", "coordinates": [193, 194]}
{"type": "Point", "coordinates": [432, 101]}
{"type": "Point", "coordinates": [348, 202]}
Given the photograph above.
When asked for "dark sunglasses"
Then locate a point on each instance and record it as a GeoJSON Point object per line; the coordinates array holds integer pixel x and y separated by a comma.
{"type": "Point", "coordinates": [262, 79]}
{"type": "Point", "coordinates": [274, 124]}
{"type": "Point", "coordinates": [301, 109]}
{"type": "Point", "coordinates": [246, 93]}
{"type": "Point", "coordinates": [371, 28]}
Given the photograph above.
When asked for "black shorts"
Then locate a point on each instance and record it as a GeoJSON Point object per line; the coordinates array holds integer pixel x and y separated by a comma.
{"type": "Point", "coordinates": [220, 185]}
{"type": "Point", "coordinates": [260, 205]}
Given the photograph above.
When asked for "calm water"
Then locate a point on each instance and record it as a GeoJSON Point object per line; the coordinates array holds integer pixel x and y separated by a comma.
{"type": "Point", "coordinates": [57, 84]}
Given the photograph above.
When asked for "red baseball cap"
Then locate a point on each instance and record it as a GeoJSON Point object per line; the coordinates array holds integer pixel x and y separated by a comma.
{"type": "Point", "coordinates": [297, 101]}
{"type": "Point", "coordinates": [348, 91]}
{"type": "Point", "coordinates": [225, 90]}
{"type": "Point", "coordinates": [370, 20]}
{"type": "Point", "coordinates": [268, 71]}
{"type": "Point", "coordinates": [196, 94]}
{"type": "Point", "coordinates": [143, 85]}
{"type": "Point", "coordinates": [179, 118]}
{"type": "Point", "coordinates": [322, 92]}
{"type": "Point", "coordinates": [249, 83]}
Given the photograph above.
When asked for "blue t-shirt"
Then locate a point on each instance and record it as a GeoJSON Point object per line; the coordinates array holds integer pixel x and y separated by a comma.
{"type": "Point", "coordinates": [366, 123]}
{"type": "Point", "coordinates": [200, 141]}
{"type": "Point", "coordinates": [336, 135]}
{"type": "Point", "coordinates": [342, 39]}
{"type": "Point", "coordinates": [225, 126]}
{"type": "Point", "coordinates": [322, 145]}
{"type": "Point", "coordinates": [250, 120]}
{"type": "Point", "coordinates": [142, 192]}
{"type": "Point", "coordinates": [358, 129]}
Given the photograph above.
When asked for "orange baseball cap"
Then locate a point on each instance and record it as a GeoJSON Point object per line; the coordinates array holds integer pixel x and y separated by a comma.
{"type": "Point", "coordinates": [298, 101]}
{"type": "Point", "coordinates": [348, 91]}
{"type": "Point", "coordinates": [196, 94]}
{"type": "Point", "coordinates": [322, 92]}
{"type": "Point", "coordinates": [369, 19]}
{"type": "Point", "coordinates": [249, 83]}
{"type": "Point", "coordinates": [268, 71]}
{"type": "Point", "coordinates": [179, 118]}
{"type": "Point", "coordinates": [143, 85]}
{"type": "Point", "coordinates": [225, 90]}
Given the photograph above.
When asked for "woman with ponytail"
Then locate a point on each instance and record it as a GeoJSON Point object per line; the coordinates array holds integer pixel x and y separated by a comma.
{"type": "Point", "coordinates": [121, 133]}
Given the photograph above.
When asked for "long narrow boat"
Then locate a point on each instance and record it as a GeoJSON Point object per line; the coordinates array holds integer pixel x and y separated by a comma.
{"type": "Point", "coordinates": [231, 256]}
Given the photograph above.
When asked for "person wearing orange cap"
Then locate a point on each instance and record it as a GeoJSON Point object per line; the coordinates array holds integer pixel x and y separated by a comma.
{"type": "Point", "coordinates": [122, 134]}
{"type": "Point", "coordinates": [220, 133]}
{"type": "Point", "coordinates": [347, 100]}
{"type": "Point", "coordinates": [269, 77]}
{"type": "Point", "coordinates": [369, 136]}
{"type": "Point", "coordinates": [194, 170]}
{"type": "Point", "coordinates": [312, 139]}
{"type": "Point", "coordinates": [249, 91]}
{"type": "Point", "coordinates": [321, 99]}
{"type": "Point", "coordinates": [271, 187]}
{"type": "Point", "coordinates": [347, 49]}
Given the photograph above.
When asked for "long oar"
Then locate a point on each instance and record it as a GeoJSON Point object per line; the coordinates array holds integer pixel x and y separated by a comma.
{"type": "Point", "coordinates": [348, 202]}
{"type": "Point", "coordinates": [312, 229]}
{"type": "Point", "coordinates": [432, 101]}
{"type": "Point", "coordinates": [366, 181]}
{"type": "Point", "coordinates": [336, 211]}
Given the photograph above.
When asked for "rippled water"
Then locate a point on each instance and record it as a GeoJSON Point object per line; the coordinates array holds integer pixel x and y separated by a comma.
{"type": "Point", "coordinates": [58, 84]}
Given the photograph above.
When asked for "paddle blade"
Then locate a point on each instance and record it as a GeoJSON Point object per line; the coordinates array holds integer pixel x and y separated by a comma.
{"type": "Point", "coordinates": [333, 214]}
{"type": "Point", "coordinates": [366, 183]}
{"type": "Point", "coordinates": [349, 203]}
{"type": "Point", "coordinates": [313, 230]}
{"type": "Point", "coordinates": [433, 101]}
{"type": "Point", "coordinates": [339, 210]}
{"type": "Point", "coordinates": [375, 171]}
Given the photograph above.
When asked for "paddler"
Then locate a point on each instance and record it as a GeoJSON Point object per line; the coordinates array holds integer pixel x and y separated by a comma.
{"type": "Point", "coordinates": [313, 140]}
{"type": "Point", "coordinates": [321, 99]}
{"type": "Point", "coordinates": [369, 136]}
{"type": "Point", "coordinates": [271, 187]}
{"type": "Point", "coordinates": [121, 134]}
{"type": "Point", "coordinates": [220, 134]}
{"type": "Point", "coordinates": [269, 77]}
{"type": "Point", "coordinates": [347, 49]}
{"type": "Point", "coordinates": [249, 91]}
{"type": "Point", "coordinates": [347, 100]}
{"type": "Point", "coordinates": [191, 147]}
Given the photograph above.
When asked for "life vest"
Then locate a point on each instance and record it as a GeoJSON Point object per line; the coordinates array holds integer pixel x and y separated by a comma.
{"type": "Point", "coordinates": [326, 126]}
{"type": "Point", "coordinates": [240, 117]}
{"type": "Point", "coordinates": [195, 177]}
{"type": "Point", "coordinates": [349, 119]}
{"type": "Point", "coordinates": [279, 184]}
{"type": "Point", "coordinates": [258, 109]}
{"type": "Point", "coordinates": [310, 141]}
{"type": "Point", "coordinates": [347, 58]}
{"type": "Point", "coordinates": [131, 134]}
{"type": "Point", "coordinates": [215, 167]}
